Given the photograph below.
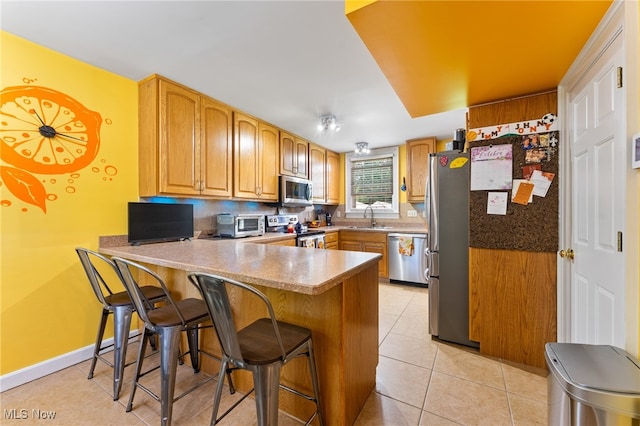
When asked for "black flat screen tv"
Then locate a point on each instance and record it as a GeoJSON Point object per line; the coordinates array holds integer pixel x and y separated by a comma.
{"type": "Point", "coordinates": [158, 222]}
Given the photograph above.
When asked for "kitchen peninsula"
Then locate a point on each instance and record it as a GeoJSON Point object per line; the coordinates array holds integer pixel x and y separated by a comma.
{"type": "Point", "coordinates": [332, 292]}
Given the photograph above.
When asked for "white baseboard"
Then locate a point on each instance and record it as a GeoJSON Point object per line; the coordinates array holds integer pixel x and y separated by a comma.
{"type": "Point", "coordinates": [44, 368]}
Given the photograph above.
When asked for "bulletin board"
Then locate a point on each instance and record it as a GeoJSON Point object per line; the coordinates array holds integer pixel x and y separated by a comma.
{"type": "Point", "coordinates": [531, 227]}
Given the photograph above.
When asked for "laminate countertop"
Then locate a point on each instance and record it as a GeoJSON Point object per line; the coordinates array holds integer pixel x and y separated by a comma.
{"type": "Point", "coordinates": [294, 269]}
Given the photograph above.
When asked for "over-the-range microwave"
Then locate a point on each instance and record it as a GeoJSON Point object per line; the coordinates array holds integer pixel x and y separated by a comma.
{"type": "Point", "coordinates": [295, 191]}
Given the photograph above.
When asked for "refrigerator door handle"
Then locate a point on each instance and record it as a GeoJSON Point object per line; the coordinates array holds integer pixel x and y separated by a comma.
{"type": "Point", "coordinates": [427, 264]}
{"type": "Point", "coordinates": [430, 202]}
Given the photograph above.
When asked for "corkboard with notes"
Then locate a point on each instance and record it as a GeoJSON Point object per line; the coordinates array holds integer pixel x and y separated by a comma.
{"type": "Point", "coordinates": [529, 227]}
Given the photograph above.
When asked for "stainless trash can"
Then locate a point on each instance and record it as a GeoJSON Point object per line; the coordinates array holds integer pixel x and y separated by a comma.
{"type": "Point", "coordinates": [592, 385]}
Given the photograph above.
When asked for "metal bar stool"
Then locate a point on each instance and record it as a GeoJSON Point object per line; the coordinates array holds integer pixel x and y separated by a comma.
{"type": "Point", "coordinates": [97, 267]}
{"type": "Point", "coordinates": [262, 347]}
{"type": "Point", "coordinates": [167, 322]}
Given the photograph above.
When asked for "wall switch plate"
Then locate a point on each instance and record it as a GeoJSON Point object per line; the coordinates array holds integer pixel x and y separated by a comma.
{"type": "Point", "coordinates": [338, 214]}
{"type": "Point", "coordinates": [412, 213]}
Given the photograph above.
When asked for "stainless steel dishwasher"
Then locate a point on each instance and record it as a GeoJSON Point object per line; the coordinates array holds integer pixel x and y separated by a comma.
{"type": "Point", "coordinates": [407, 258]}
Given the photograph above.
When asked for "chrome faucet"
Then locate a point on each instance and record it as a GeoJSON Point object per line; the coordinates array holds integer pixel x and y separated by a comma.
{"type": "Point", "coordinates": [373, 221]}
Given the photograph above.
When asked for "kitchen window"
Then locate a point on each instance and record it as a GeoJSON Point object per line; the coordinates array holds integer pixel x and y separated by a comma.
{"type": "Point", "coordinates": [372, 180]}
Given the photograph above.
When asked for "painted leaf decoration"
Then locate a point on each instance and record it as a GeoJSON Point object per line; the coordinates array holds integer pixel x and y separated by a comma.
{"type": "Point", "coordinates": [24, 186]}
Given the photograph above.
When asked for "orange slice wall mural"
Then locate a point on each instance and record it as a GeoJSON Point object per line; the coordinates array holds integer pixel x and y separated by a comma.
{"type": "Point", "coordinates": [43, 131]}
{"type": "Point", "coordinates": [68, 167]}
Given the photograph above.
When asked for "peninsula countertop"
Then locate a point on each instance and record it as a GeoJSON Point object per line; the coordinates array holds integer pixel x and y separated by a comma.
{"type": "Point", "coordinates": [294, 269]}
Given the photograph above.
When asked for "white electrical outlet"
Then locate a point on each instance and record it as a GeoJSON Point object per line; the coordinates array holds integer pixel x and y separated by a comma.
{"type": "Point", "coordinates": [338, 214]}
{"type": "Point", "coordinates": [412, 213]}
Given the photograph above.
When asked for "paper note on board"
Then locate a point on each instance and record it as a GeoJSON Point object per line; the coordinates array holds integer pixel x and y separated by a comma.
{"type": "Point", "coordinates": [491, 167]}
{"type": "Point", "coordinates": [497, 203]}
{"type": "Point", "coordinates": [542, 182]}
{"type": "Point", "coordinates": [522, 192]}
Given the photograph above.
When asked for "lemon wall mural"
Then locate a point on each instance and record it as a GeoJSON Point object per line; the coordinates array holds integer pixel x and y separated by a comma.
{"type": "Point", "coordinates": [68, 167]}
{"type": "Point", "coordinates": [43, 131]}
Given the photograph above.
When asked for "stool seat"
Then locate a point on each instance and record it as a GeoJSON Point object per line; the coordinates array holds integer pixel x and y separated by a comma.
{"type": "Point", "coordinates": [191, 310]}
{"type": "Point", "coordinates": [259, 345]}
{"type": "Point", "coordinates": [122, 298]}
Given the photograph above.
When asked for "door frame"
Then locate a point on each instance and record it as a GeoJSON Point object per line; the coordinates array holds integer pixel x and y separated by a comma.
{"type": "Point", "coordinates": [620, 20]}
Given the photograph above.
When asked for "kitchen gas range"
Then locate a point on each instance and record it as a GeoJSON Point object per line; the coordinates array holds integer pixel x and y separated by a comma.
{"type": "Point", "coordinates": [311, 238]}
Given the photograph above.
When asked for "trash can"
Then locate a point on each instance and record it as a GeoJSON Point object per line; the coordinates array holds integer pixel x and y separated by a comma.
{"type": "Point", "coordinates": [592, 385]}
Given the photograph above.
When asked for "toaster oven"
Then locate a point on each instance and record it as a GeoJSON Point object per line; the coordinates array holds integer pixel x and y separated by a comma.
{"type": "Point", "coordinates": [238, 226]}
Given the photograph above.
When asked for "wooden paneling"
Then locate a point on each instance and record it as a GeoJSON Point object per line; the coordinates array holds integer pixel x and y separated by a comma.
{"type": "Point", "coordinates": [512, 294]}
{"type": "Point", "coordinates": [513, 110]}
{"type": "Point", "coordinates": [515, 310]}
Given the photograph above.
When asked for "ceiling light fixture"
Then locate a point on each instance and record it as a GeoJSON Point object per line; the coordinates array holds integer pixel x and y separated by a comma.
{"type": "Point", "coordinates": [328, 122]}
{"type": "Point", "coordinates": [362, 148]}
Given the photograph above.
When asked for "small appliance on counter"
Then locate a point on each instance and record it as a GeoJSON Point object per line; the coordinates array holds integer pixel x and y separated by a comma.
{"type": "Point", "coordinates": [238, 226]}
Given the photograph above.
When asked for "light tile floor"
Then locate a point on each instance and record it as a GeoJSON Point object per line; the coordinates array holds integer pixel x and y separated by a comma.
{"type": "Point", "coordinates": [420, 381]}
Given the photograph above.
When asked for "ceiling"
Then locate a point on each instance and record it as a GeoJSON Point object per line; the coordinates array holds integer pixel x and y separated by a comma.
{"type": "Point", "coordinates": [291, 62]}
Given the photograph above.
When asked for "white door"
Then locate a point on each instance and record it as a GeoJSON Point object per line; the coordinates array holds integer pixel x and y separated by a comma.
{"type": "Point", "coordinates": [596, 142]}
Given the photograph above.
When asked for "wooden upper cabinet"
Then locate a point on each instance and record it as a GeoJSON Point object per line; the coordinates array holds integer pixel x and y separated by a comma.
{"type": "Point", "coordinates": [245, 156]}
{"type": "Point", "coordinates": [418, 151]}
{"type": "Point", "coordinates": [333, 177]}
{"type": "Point", "coordinates": [255, 161]}
{"type": "Point", "coordinates": [324, 172]}
{"type": "Point", "coordinates": [180, 133]}
{"type": "Point", "coordinates": [293, 156]}
{"type": "Point", "coordinates": [216, 153]}
{"type": "Point", "coordinates": [268, 161]}
{"type": "Point", "coordinates": [317, 172]}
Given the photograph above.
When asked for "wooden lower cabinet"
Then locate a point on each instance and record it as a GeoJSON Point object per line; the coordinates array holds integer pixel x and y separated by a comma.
{"type": "Point", "coordinates": [372, 242]}
{"type": "Point", "coordinates": [331, 240]}
{"type": "Point", "coordinates": [290, 242]}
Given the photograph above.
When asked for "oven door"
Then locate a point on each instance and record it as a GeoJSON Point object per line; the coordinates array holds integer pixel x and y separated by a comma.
{"type": "Point", "coordinates": [247, 224]}
{"type": "Point", "coordinates": [312, 241]}
{"type": "Point", "coordinates": [307, 242]}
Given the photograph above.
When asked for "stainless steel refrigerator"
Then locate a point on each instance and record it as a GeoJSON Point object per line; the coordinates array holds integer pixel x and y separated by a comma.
{"type": "Point", "coordinates": [447, 208]}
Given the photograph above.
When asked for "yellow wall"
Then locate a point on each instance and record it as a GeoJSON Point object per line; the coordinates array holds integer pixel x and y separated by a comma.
{"type": "Point", "coordinates": [46, 308]}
